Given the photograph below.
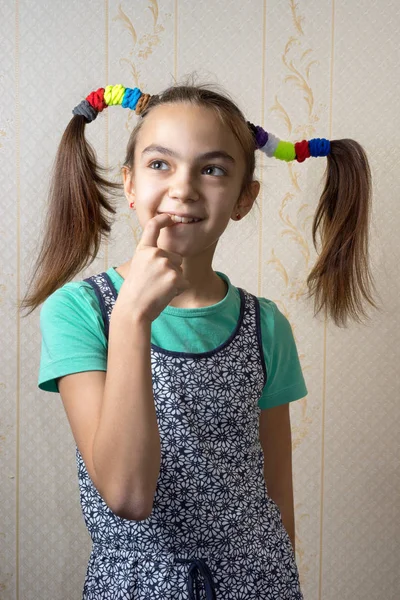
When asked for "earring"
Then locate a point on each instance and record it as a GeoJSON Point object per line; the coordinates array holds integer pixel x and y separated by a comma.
{"type": "Point", "coordinates": [132, 205]}
{"type": "Point", "coordinates": [238, 216]}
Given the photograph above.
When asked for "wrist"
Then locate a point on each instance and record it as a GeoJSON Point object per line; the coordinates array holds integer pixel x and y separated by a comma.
{"type": "Point", "coordinates": [123, 312]}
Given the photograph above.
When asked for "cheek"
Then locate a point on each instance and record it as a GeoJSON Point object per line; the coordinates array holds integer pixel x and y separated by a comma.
{"type": "Point", "coordinates": [147, 188]}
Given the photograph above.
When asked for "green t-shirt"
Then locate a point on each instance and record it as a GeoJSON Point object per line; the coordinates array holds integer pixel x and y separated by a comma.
{"type": "Point", "coordinates": [73, 338]}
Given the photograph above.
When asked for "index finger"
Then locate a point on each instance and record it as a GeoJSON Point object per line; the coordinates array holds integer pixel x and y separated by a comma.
{"type": "Point", "coordinates": [152, 229]}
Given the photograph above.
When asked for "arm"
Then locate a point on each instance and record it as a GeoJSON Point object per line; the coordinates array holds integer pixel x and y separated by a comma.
{"type": "Point", "coordinates": [276, 442]}
{"type": "Point", "coordinates": [113, 419]}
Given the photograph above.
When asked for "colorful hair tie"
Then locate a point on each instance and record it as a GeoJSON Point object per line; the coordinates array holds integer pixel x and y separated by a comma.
{"type": "Point", "coordinates": [112, 95]}
{"type": "Point", "coordinates": [136, 100]}
{"type": "Point", "coordinates": [261, 137]}
{"type": "Point", "coordinates": [96, 99]}
{"type": "Point", "coordinates": [274, 147]}
{"type": "Point", "coordinates": [302, 150]}
{"type": "Point", "coordinates": [142, 103]}
{"type": "Point", "coordinates": [285, 151]}
{"type": "Point", "coordinates": [86, 110]}
{"type": "Point", "coordinates": [270, 146]}
{"type": "Point", "coordinates": [319, 147]}
{"type": "Point", "coordinates": [131, 98]}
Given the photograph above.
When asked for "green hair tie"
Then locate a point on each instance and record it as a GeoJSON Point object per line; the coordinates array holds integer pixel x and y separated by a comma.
{"type": "Point", "coordinates": [285, 151]}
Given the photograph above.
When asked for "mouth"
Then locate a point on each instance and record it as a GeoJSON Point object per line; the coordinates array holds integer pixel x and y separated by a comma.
{"type": "Point", "coordinates": [191, 223]}
{"type": "Point", "coordinates": [177, 220]}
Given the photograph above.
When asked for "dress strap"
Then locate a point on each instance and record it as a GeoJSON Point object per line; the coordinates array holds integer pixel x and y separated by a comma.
{"type": "Point", "coordinates": [106, 295]}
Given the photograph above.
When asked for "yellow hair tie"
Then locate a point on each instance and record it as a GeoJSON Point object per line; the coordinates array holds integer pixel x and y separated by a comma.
{"type": "Point", "coordinates": [114, 94]}
{"type": "Point", "coordinates": [285, 151]}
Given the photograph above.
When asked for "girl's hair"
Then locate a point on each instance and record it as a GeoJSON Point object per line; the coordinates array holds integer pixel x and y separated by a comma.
{"type": "Point", "coordinates": [80, 209]}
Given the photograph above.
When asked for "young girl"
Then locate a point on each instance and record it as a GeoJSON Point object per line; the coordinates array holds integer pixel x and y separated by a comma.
{"type": "Point", "coordinates": [175, 382]}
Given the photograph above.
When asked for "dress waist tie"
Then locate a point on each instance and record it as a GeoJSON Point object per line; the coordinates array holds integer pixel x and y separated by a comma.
{"type": "Point", "coordinates": [198, 565]}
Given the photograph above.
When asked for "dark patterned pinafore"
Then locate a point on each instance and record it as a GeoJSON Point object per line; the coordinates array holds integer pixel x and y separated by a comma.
{"type": "Point", "coordinates": [213, 533]}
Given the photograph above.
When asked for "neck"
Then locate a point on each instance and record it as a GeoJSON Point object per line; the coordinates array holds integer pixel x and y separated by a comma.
{"type": "Point", "coordinates": [206, 289]}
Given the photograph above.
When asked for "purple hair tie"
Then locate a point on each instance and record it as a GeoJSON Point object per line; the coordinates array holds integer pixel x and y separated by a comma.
{"type": "Point", "coordinates": [261, 137]}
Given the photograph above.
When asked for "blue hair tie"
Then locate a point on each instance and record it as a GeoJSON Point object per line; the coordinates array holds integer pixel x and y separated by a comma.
{"type": "Point", "coordinates": [319, 147]}
{"type": "Point", "coordinates": [131, 98]}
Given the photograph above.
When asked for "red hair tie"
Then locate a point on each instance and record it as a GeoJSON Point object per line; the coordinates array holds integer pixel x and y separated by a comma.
{"type": "Point", "coordinates": [96, 99]}
{"type": "Point", "coordinates": [302, 150]}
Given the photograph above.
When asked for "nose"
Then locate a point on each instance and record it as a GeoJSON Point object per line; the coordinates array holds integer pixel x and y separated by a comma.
{"type": "Point", "coordinates": [183, 186]}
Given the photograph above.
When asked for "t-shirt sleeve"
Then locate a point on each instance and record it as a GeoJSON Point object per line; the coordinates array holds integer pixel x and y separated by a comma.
{"type": "Point", "coordinates": [72, 333]}
{"type": "Point", "coordinates": [285, 380]}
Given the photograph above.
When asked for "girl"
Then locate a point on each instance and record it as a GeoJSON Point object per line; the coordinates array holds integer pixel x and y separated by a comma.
{"type": "Point", "coordinates": [175, 382]}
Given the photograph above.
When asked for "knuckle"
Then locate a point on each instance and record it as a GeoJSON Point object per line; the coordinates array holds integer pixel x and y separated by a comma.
{"type": "Point", "coordinates": [173, 276]}
{"type": "Point", "coordinates": [164, 261]}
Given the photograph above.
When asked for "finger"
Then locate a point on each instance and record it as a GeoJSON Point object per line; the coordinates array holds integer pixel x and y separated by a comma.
{"type": "Point", "coordinates": [152, 229]}
{"type": "Point", "coordinates": [174, 258]}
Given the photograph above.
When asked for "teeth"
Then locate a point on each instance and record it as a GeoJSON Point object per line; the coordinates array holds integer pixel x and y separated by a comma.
{"type": "Point", "coordinates": [182, 219]}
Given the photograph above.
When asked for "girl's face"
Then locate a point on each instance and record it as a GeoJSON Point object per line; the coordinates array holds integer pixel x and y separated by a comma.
{"type": "Point", "coordinates": [188, 163]}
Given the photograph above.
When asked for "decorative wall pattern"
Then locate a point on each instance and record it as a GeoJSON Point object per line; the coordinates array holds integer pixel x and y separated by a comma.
{"type": "Point", "coordinates": [301, 69]}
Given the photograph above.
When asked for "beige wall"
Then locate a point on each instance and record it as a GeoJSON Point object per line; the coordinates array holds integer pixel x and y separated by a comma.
{"type": "Point", "coordinates": [310, 68]}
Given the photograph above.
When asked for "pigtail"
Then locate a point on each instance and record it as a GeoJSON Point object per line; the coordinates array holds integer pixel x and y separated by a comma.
{"type": "Point", "coordinates": [341, 280]}
{"type": "Point", "coordinates": [77, 215]}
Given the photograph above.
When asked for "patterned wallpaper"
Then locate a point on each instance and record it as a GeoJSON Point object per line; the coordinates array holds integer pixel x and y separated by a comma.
{"type": "Point", "coordinates": [301, 69]}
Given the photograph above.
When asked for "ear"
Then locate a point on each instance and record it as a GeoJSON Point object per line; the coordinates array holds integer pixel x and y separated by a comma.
{"type": "Point", "coordinates": [246, 200]}
{"type": "Point", "coordinates": [254, 190]}
{"type": "Point", "coordinates": [128, 184]}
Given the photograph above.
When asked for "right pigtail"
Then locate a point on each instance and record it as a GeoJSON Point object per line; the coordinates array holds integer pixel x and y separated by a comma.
{"type": "Point", "coordinates": [77, 215]}
{"type": "Point", "coordinates": [77, 211]}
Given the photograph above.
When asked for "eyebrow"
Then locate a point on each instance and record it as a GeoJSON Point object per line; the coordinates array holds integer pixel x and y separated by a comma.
{"type": "Point", "coordinates": [206, 156]}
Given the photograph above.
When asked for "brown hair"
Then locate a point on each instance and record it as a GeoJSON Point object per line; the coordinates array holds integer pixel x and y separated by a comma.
{"type": "Point", "coordinates": [78, 206]}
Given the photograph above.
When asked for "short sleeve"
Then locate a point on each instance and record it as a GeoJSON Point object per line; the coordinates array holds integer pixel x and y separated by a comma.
{"type": "Point", "coordinates": [285, 380]}
{"type": "Point", "coordinates": [72, 333]}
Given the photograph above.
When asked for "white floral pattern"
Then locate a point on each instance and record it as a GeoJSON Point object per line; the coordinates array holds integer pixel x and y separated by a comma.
{"type": "Point", "coordinates": [211, 509]}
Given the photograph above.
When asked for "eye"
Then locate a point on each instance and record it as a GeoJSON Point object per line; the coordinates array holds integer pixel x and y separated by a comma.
{"type": "Point", "coordinates": [153, 165]}
{"type": "Point", "coordinates": [211, 167]}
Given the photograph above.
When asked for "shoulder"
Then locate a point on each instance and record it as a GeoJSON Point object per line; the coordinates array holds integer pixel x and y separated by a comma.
{"type": "Point", "coordinates": [73, 308]}
{"type": "Point", "coordinates": [74, 297]}
{"type": "Point", "coordinates": [276, 329]}
{"type": "Point", "coordinates": [273, 322]}
{"type": "Point", "coordinates": [285, 380]}
{"type": "Point", "coordinates": [72, 332]}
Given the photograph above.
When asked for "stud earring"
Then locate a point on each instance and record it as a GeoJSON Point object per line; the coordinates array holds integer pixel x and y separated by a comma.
{"type": "Point", "coordinates": [238, 216]}
{"type": "Point", "coordinates": [132, 205]}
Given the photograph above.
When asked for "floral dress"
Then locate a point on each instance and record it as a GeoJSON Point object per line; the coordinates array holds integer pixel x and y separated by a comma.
{"type": "Point", "coordinates": [213, 533]}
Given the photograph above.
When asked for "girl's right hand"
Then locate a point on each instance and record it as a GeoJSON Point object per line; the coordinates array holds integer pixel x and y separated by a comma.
{"type": "Point", "coordinates": [155, 276]}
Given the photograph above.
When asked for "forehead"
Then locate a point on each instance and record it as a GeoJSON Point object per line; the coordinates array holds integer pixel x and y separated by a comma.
{"type": "Point", "coordinates": [188, 127]}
